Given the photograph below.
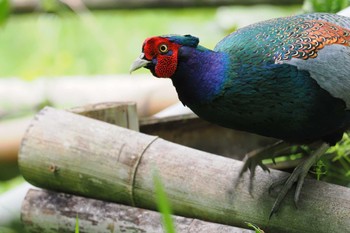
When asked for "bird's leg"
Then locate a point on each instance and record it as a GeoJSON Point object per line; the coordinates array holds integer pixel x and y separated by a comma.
{"type": "Point", "coordinates": [298, 176]}
{"type": "Point", "coordinates": [255, 158]}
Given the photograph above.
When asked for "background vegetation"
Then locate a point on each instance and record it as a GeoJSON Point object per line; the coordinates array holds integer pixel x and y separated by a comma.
{"type": "Point", "coordinates": [105, 42]}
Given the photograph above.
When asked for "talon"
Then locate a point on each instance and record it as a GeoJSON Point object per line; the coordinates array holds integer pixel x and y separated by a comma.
{"type": "Point", "coordinates": [274, 160]}
{"type": "Point", "coordinates": [298, 189]}
{"type": "Point", "coordinates": [277, 183]}
{"type": "Point", "coordinates": [265, 168]}
{"type": "Point", "coordinates": [298, 176]}
{"type": "Point", "coordinates": [254, 159]}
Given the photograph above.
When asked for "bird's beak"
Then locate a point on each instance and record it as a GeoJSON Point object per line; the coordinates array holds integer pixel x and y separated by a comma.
{"type": "Point", "coordinates": [139, 63]}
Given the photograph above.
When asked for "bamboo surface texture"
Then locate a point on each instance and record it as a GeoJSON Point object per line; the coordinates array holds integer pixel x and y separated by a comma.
{"type": "Point", "coordinates": [48, 211]}
{"type": "Point", "coordinates": [66, 152]}
{"type": "Point", "coordinates": [43, 211]}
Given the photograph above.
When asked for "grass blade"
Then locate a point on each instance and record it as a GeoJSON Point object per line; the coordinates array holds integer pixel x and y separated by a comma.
{"type": "Point", "coordinates": [163, 204]}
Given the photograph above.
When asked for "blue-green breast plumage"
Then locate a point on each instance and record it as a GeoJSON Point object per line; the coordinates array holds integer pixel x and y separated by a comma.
{"type": "Point", "coordinates": [287, 78]}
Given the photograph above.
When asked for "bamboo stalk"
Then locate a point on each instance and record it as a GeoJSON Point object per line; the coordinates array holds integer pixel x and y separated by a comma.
{"type": "Point", "coordinates": [123, 114]}
{"type": "Point", "coordinates": [108, 216]}
{"type": "Point", "coordinates": [73, 154]}
{"type": "Point", "coordinates": [48, 211]}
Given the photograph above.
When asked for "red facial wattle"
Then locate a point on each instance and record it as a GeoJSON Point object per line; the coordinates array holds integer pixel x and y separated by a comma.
{"type": "Point", "coordinates": [164, 53]}
{"type": "Point", "coordinates": [166, 65]}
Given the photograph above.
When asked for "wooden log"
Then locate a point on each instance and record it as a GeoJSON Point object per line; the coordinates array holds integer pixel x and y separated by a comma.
{"type": "Point", "coordinates": [48, 211]}
{"type": "Point", "coordinates": [66, 152]}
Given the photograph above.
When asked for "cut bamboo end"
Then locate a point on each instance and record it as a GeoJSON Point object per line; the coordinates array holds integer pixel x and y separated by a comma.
{"type": "Point", "coordinates": [67, 152]}
{"type": "Point", "coordinates": [123, 114]}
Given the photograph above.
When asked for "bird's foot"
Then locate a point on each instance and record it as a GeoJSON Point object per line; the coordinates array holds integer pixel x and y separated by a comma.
{"type": "Point", "coordinates": [255, 158]}
{"type": "Point", "coordinates": [297, 176]}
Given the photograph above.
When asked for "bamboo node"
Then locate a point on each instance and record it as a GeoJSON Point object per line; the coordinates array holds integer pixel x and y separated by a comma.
{"type": "Point", "coordinates": [133, 177]}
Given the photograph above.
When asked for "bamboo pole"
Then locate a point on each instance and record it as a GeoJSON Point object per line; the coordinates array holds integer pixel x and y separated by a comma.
{"type": "Point", "coordinates": [123, 114]}
{"type": "Point", "coordinates": [108, 216]}
{"type": "Point", "coordinates": [73, 154]}
{"type": "Point", "coordinates": [46, 211]}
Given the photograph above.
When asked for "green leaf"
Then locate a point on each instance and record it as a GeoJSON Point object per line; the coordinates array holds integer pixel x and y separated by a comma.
{"type": "Point", "coordinates": [77, 224]}
{"type": "Point", "coordinates": [332, 6]}
{"type": "Point", "coordinates": [255, 227]}
{"type": "Point", "coordinates": [163, 204]}
{"type": "Point", "coordinates": [4, 10]}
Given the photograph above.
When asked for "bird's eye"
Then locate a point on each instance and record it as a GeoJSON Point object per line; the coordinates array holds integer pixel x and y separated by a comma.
{"type": "Point", "coordinates": [163, 48]}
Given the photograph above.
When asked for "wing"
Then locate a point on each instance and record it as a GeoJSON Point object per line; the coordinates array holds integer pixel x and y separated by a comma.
{"type": "Point", "coordinates": [317, 43]}
{"type": "Point", "coordinates": [323, 50]}
{"type": "Point", "coordinates": [330, 69]}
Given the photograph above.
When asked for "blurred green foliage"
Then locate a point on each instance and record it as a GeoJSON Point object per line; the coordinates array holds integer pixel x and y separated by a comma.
{"type": "Point", "coordinates": [331, 6]}
{"type": "Point", "coordinates": [104, 42]}
{"type": "Point", "coordinates": [51, 5]}
{"type": "Point", "coordinates": [6, 185]}
{"type": "Point", "coordinates": [100, 42]}
{"type": "Point", "coordinates": [4, 10]}
{"type": "Point", "coordinates": [8, 171]}
{"type": "Point", "coordinates": [7, 230]}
